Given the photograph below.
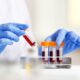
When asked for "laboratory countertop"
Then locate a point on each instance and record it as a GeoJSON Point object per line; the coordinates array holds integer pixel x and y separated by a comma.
{"type": "Point", "coordinates": [16, 72]}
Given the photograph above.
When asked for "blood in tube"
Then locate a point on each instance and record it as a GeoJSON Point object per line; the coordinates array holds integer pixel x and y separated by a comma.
{"type": "Point", "coordinates": [43, 57]}
{"type": "Point", "coordinates": [28, 40]}
{"type": "Point", "coordinates": [58, 60]}
{"type": "Point", "coordinates": [51, 57]}
{"type": "Point", "coordinates": [43, 53]}
{"type": "Point", "coordinates": [58, 55]}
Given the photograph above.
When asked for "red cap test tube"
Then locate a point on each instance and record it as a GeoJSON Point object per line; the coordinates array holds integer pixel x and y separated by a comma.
{"type": "Point", "coordinates": [28, 40]}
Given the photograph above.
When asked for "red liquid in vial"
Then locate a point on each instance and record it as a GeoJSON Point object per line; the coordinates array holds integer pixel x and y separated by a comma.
{"type": "Point", "coordinates": [43, 57]}
{"type": "Point", "coordinates": [51, 57]}
{"type": "Point", "coordinates": [28, 40]}
{"type": "Point", "coordinates": [57, 53]}
{"type": "Point", "coordinates": [58, 60]}
{"type": "Point", "coordinates": [43, 53]}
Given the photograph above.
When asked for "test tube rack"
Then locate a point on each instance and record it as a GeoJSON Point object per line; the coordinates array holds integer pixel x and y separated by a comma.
{"type": "Point", "coordinates": [52, 56]}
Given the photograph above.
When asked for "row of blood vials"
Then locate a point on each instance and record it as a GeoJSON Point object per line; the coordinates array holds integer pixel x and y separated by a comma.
{"type": "Point", "coordinates": [51, 53]}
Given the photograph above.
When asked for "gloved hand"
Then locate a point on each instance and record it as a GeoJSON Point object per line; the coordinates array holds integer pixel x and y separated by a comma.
{"type": "Point", "coordinates": [70, 39]}
{"type": "Point", "coordinates": [9, 33]}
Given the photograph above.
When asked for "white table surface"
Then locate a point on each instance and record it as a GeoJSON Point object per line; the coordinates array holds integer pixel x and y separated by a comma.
{"type": "Point", "coordinates": [15, 72]}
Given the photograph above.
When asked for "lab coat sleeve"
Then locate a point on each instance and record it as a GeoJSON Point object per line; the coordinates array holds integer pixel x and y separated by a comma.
{"type": "Point", "coordinates": [15, 11]}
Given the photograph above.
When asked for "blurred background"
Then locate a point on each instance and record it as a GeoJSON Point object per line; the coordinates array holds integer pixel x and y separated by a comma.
{"type": "Point", "coordinates": [49, 15]}
{"type": "Point", "coordinates": [46, 17]}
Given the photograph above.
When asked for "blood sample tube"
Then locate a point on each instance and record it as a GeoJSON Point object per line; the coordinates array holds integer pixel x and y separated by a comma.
{"type": "Point", "coordinates": [52, 54]}
{"type": "Point", "coordinates": [59, 53]}
{"type": "Point", "coordinates": [46, 54]}
{"type": "Point", "coordinates": [49, 51]}
{"type": "Point", "coordinates": [31, 43]}
{"type": "Point", "coordinates": [43, 54]}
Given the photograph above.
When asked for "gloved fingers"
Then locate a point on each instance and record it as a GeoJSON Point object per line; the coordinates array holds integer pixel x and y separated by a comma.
{"type": "Point", "coordinates": [69, 47]}
{"type": "Point", "coordinates": [61, 36]}
{"type": "Point", "coordinates": [9, 35]}
{"type": "Point", "coordinates": [72, 36]}
{"type": "Point", "coordinates": [53, 36]}
{"type": "Point", "coordinates": [71, 42]}
{"type": "Point", "coordinates": [13, 29]}
{"type": "Point", "coordinates": [17, 31]}
{"type": "Point", "coordinates": [65, 46]}
{"type": "Point", "coordinates": [78, 41]}
{"type": "Point", "coordinates": [57, 36]}
{"type": "Point", "coordinates": [4, 42]}
{"type": "Point", "coordinates": [19, 25]}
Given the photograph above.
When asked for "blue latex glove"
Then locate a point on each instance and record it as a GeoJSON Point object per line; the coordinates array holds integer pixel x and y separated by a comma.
{"type": "Point", "coordinates": [70, 39]}
{"type": "Point", "coordinates": [9, 33]}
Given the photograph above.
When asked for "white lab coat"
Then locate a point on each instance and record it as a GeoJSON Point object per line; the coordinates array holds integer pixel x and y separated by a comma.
{"type": "Point", "coordinates": [14, 11]}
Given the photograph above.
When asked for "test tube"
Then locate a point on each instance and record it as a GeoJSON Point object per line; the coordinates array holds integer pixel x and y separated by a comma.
{"type": "Point", "coordinates": [31, 43]}
{"type": "Point", "coordinates": [28, 36]}
{"type": "Point", "coordinates": [59, 53]}
{"type": "Point", "coordinates": [57, 56]}
{"type": "Point", "coordinates": [51, 55]}
{"type": "Point", "coordinates": [52, 52]}
{"type": "Point", "coordinates": [45, 50]}
{"type": "Point", "coordinates": [46, 54]}
{"type": "Point", "coordinates": [49, 51]}
{"type": "Point", "coordinates": [43, 54]}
